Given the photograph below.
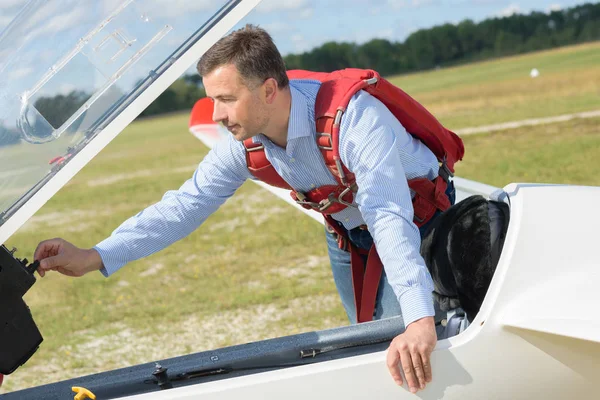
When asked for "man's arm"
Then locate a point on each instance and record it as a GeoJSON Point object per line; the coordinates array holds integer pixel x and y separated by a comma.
{"type": "Point", "coordinates": [178, 214]}
{"type": "Point", "coordinates": [369, 148]}
{"type": "Point", "coordinates": [374, 145]}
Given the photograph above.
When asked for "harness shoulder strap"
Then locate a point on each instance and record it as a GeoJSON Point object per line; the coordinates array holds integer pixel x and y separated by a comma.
{"type": "Point", "coordinates": [260, 166]}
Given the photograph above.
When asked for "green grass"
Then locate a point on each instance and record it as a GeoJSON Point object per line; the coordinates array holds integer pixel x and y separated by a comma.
{"type": "Point", "coordinates": [502, 90]}
{"type": "Point", "coordinates": [567, 152]}
{"type": "Point", "coordinates": [258, 268]}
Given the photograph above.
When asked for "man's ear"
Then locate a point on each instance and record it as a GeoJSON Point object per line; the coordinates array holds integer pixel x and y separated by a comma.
{"type": "Point", "coordinates": [270, 90]}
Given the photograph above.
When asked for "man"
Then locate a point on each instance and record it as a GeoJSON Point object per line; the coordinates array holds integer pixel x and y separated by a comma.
{"type": "Point", "coordinates": [245, 76]}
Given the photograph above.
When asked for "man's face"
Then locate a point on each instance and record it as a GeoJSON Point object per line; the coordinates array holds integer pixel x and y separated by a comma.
{"type": "Point", "coordinates": [241, 109]}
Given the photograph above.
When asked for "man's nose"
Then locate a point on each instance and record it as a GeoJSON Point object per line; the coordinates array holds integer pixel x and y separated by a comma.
{"type": "Point", "coordinates": [219, 113]}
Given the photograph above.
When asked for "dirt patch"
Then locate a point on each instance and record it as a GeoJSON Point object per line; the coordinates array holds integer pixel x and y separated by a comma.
{"type": "Point", "coordinates": [144, 173]}
{"type": "Point", "coordinates": [73, 220]}
{"type": "Point", "coordinates": [301, 267]}
{"type": "Point", "coordinates": [153, 270]}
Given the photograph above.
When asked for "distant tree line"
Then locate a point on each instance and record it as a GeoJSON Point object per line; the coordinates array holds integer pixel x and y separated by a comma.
{"type": "Point", "coordinates": [181, 95]}
{"type": "Point", "coordinates": [454, 44]}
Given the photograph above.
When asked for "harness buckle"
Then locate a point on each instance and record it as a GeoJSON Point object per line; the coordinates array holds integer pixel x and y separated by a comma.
{"type": "Point", "coordinates": [341, 200]}
{"type": "Point", "coordinates": [419, 220]}
{"type": "Point", "coordinates": [444, 171]}
{"type": "Point", "coordinates": [324, 204]}
{"type": "Point", "coordinates": [331, 199]}
{"type": "Point", "coordinates": [302, 200]}
{"type": "Point", "coordinates": [327, 135]}
{"type": "Point", "coordinates": [257, 148]}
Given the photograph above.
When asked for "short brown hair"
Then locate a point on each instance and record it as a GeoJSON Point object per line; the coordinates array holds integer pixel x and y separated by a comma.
{"type": "Point", "coordinates": [252, 51]}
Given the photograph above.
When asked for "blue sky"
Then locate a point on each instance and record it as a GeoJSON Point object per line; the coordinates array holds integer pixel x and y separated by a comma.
{"type": "Point", "coordinates": [300, 25]}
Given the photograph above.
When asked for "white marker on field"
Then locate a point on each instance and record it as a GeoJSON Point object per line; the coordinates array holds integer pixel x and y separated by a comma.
{"type": "Point", "coordinates": [534, 73]}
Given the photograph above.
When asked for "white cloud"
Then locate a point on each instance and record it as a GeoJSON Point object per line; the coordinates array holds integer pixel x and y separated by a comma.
{"type": "Point", "coordinates": [110, 5]}
{"type": "Point", "coordinates": [420, 3]}
{"type": "Point", "coordinates": [47, 21]}
{"type": "Point", "coordinates": [554, 7]}
{"type": "Point", "coordinates": [65, 21]}
{"type": "Point", "coordinates": [266, 6]}
{"type": "Point", "coordinates": [20, 73]}
{"type": "Point", "coordinates": [510, 10]}
{"type": "Point", "coordinates": [398, 4]}
{"type": "Point", "coordinates": [175, 8]}
{"type": "Point", "coordinates": [5, 20]}
{"type": "Point", "coordinates": [300, 43]}
{"type": "Point", "coordinates": [483, 1]}
{"type": "Point", "coordinates": [8, 4]}
{"type": "Point", "coordinates": [375, 10]}
{"type": "Point", "coordinates": [306, 13]}
{"type": "Point", "coordinates": [385, 34]}
{"type": "Point", "coordinates": [66, 88]}
{"type": "Point", "coordinates": [276, 27]}
{"type": "Point", "coordinates": [8, 11]}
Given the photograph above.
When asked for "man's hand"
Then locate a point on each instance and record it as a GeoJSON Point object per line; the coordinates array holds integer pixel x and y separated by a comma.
{"type": "Point", "coordinates": [412, 350]}
{"type": "Point", "coordinates": [60, 255]}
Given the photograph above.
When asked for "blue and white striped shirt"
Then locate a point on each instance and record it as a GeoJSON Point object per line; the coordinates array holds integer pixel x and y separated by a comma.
{"type": "Point", "coordinates": [373, 145]}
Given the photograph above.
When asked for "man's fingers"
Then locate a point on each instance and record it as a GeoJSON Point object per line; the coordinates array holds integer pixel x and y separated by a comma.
{"type": "Point", "coordinates": [393, 359]}
{"type": "Point", "coordinates": [407, 367]}
{"type": "Point", "coordinates": [47, 248]}
{"type": "Point", "coordinates": [53, 262]}
{"type": "Point", "coordinates": [418, 367]}
{"type": "Point", "coordinates": [427, 367]}
{"type": "Point", "coordinates": [40, 251]}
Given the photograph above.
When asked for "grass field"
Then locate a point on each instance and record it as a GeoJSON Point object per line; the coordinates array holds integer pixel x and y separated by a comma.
{"type": "Point", "coordinates": [502, 90]}
{"type": "Point", "coordinates": [257, 268]}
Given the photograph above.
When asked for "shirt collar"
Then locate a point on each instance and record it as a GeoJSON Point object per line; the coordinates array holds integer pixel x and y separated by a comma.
{"type": "Point", "coordinates": [299, 124]}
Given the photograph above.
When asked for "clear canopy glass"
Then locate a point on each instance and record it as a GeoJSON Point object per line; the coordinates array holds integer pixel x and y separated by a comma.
{"type": "Point", "coordinates": [68, 68]}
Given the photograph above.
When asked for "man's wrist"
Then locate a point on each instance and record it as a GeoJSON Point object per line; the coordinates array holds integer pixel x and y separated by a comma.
{"type": "Point", "coordinates": [93, 261]}
{"type": "Point", "coordinates": [424, 322]}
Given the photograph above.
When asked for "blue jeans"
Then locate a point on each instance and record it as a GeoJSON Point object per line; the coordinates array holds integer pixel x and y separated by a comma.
{"type": "Point", "coordinates": [386, 304]}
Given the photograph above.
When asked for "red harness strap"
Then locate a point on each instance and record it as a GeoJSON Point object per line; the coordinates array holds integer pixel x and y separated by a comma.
{"type": "Point", "coordinates": [365, 277]}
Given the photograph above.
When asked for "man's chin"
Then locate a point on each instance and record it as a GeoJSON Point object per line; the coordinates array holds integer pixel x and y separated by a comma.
{"type": "Point", "coordinates": [241, 136]}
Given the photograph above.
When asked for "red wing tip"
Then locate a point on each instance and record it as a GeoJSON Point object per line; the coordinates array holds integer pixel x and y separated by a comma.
{"type": "Point", "coordinates": [202, 112]}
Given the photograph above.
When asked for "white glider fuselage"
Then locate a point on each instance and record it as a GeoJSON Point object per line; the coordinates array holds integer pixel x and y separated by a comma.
{"type": "Point", "coordinates": [535, 336]}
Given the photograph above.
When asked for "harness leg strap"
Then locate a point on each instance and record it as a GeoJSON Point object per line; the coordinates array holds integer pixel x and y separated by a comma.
{"type": "Point", "coordinates": [357, 267]}
{"type": "Point", "coordinates": [370, 286]}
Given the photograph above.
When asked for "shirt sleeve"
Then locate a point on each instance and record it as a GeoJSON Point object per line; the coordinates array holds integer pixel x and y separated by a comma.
{"type": "Point", "coordinates": [371, 139]}
{"type": "Point", "coordinates": [179, 212]}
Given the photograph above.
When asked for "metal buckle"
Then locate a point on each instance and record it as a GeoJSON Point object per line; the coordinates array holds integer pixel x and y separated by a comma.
{"type": "Point", "coordinates": [419, 220]}
{"type": "Point", "coordinates": [255, 148]}
{"type": "Point", "coordinates": [324, 204]}
{"type": "Point", "coordinates": [311, 204]}
{"type": "Point", "coordinates": [302, 201]}
{"type": "Point", "coordinates": [444, 171]}
{"type": "Point", "coordinates": [341, 201]}
{"type": "Point", "coordinates": [330, 147]}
